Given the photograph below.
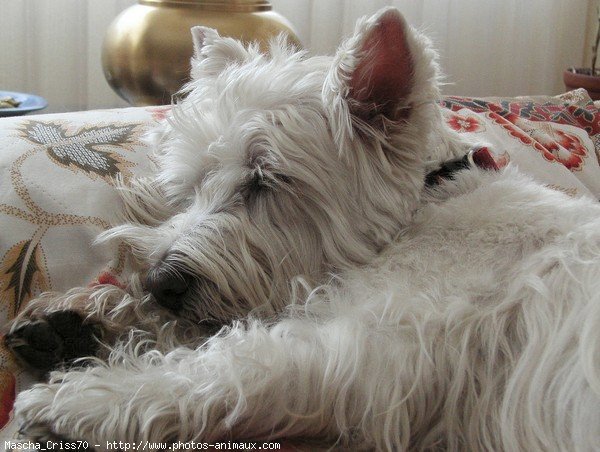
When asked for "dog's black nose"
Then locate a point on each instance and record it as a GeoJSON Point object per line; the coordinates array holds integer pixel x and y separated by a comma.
{"type": "Point", "coordinates": [167, 288]}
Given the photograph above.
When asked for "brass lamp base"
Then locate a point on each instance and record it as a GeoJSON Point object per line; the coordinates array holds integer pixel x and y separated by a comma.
{"type": "Point", "coordinates": [147, 48]}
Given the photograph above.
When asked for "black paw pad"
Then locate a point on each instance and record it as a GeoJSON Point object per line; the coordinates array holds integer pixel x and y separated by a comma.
{"type": "Point", "coordinates": [57, 339]}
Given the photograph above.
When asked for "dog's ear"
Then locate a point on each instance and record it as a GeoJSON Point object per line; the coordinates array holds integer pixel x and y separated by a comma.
{"type": "Point", "coordinates": [379, 74]}
{"type": "Point", "coordinates": [212, 53]}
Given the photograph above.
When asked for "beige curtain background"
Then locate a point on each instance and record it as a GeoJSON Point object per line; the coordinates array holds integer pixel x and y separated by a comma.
{"type": "Point", "coordinates": [487, 47]}
{"type": "Point", "coordinates": [52, 48]}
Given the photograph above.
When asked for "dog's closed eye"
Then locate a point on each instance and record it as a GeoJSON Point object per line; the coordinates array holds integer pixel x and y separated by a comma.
{"type": "Point", "coordinates": [263, 175]}
{"type": "Point", "coordinates": [261, 181]}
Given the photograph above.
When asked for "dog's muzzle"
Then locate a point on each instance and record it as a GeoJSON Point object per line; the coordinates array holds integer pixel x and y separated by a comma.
{"type": "Point", "coordinates": [168, 288]}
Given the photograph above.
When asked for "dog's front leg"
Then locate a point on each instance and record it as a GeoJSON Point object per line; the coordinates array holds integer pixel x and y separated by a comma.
{"type": "Point", "coordinates": [296, 379]}
{"type": "Point", "coordinates": [55, 329]}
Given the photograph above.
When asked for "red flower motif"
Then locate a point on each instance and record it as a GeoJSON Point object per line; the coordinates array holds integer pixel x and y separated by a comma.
{"type": "Point", "coordinates": [7, 384]}
{"type": "Point", "coordinates": [518, 133]}
{"type": "Point", "coordinates": [106, 277]}
{"type": "Point", "coordinates": [7, 396]}
{"type": "Point", "coordinates": [159, 113]}
{"type": "Point", "coordinates": [563, 148]}
{"type": "Point", "coordinates": [465, 124]}
{"type": "Point", "coordinates": [566, 149]}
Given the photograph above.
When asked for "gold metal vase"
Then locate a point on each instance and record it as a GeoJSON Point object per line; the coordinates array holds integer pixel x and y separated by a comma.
{"type": "Point", "coordinates": [147, 48]}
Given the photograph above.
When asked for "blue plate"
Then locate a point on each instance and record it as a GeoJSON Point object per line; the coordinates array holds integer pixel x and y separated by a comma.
{"type": "Point", "coordinates": [29, 103]}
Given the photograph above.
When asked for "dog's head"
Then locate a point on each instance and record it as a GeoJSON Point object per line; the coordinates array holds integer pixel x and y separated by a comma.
{"type": "Point", "coordinates": [276, 166]}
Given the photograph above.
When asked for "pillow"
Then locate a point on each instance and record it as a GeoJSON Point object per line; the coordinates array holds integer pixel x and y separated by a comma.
{"type": "Point", "coordinates": [57, 193]}
{"type": "Point", "coordinates": [554, 139]}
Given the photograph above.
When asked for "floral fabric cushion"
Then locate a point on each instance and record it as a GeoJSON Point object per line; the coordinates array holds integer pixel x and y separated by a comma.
{"type": "Point", "coordinates": [57, 191]}
{"type": "Point", "coordinates": [57, 176]}
{"type": "Point", "coordinates": [554, 139]}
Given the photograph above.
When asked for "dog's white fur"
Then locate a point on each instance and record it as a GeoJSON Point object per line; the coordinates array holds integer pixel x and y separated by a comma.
{"type": "Point", "coordinates": [465, 318]}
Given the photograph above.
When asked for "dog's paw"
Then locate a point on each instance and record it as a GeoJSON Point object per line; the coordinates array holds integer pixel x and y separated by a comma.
{"type": "Point", "coordinates": [57, 339]}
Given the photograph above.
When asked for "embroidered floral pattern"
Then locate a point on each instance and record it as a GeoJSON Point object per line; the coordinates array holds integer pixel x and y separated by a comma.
{"type": "Point", "coordinates": [583, 115]}
{"type": "Point", "coordinates": [518, 133]}
{"type": "Point", "coordinates": [37, 208]}
{"type": "Point", "coordinates": [524, 120]}
{"type": "Point", "coordinates": [566, 149]}
{"type": "Point", "coordinates": [7, 385]}
{"type": "Point", "coordinates": [159, 113]}
{"type": "Point", "coordinates": [465, 124]}
{"type": "Point", "coordinates": [86, 150]}
{"type": "Point", "coordinates": [22, 274]}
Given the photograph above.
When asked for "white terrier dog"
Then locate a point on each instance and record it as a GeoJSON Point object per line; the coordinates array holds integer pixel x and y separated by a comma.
{"type": "Point", "coordinates": [464, 317]}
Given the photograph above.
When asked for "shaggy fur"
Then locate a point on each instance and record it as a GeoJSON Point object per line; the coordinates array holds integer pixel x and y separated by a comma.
{"type": "Point", "coordinates": [367, 312]}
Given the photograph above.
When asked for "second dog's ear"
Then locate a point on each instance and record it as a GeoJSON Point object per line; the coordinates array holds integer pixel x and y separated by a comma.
{"type": "Point", "coordinates": [212, 53]}
{"type": "Point", "coordinates": [379, 73]}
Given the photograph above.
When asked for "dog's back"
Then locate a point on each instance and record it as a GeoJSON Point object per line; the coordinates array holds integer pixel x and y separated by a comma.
{"type": "Point", "coordinates": [490, 303]}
